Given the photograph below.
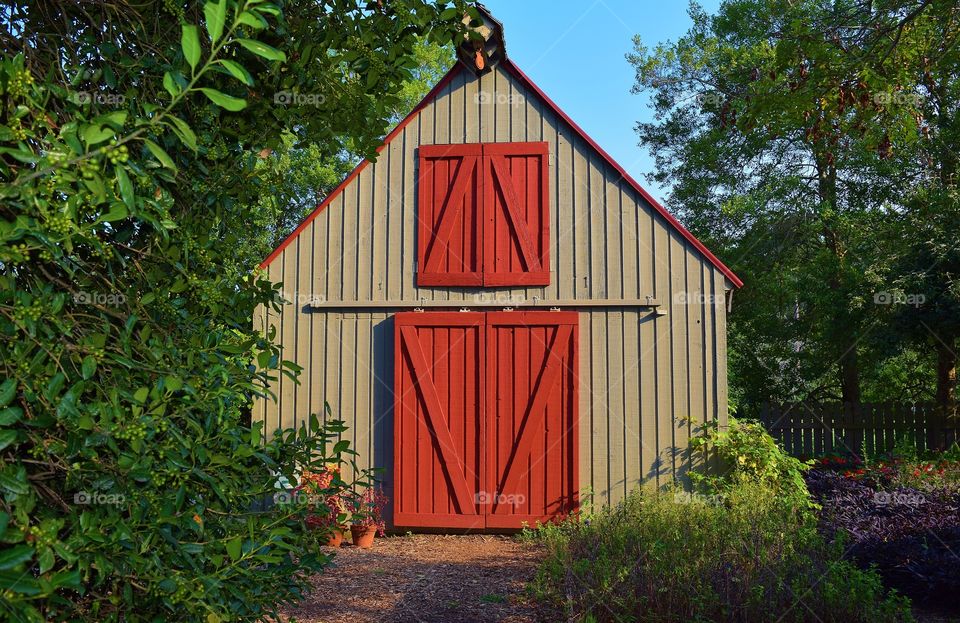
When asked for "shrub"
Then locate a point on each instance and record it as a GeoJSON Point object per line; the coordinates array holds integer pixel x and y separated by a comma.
{"type": "Point", "coordinates": [743, 547]}
{"type": "Point", "coordinates": [132, 219]}
{"type": "Point", "coordinates": [660, 556]}
{"type": "Point", "coordinates": [745, 451]}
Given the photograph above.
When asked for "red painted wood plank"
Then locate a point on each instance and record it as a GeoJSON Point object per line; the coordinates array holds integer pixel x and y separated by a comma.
{"type": "Point", "coordinates": [433, 410]}
{"type": "Point", "coordinates": [533, 419]}
{"type": "Point", "coordinates": [518, 223]}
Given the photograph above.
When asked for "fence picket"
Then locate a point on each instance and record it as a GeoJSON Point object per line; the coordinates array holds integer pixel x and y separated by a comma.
{"type": "Point", "coordinates": [814, 429]}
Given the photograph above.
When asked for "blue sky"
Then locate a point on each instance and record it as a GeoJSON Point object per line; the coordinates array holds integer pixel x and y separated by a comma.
{"type": "Point", "coordinates": [575, 52]}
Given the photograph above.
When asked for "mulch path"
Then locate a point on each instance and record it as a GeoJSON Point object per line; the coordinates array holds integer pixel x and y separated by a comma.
{"type": "Point", "coordinates": [425, 578]}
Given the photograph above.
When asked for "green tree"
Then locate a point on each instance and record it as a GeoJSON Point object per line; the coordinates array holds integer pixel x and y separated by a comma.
{"type": "Point", "coordinates": [130, 138]}
{"type": "Point", "coordinates": [296, 176]}
{"type": "Point", "coordinates": [779, 128]}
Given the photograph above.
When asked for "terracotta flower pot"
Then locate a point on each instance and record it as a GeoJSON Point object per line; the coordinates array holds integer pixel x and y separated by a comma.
{"type": "Point", "coordinates": [336, 538]}
{"type": "Point", "coordinates": [363, 536]}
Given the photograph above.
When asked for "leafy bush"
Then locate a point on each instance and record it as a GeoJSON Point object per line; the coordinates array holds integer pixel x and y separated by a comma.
{"type": "Point", "coordinates": [745, 451]}
{"type": "Point", "coordinates": [665, 556]}
{"type": "Point", "coordinates": [129, 136]}
{"type": "Point", "coordinates": [744, 547]}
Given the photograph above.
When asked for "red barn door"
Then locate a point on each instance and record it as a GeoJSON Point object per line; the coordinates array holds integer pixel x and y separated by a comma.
{"type": "Point", "coordinates": [485, 418]}
{"type": "Point", "coordinates": [438, 419]}
{"type": "Point", "coordinates": [531, 435]}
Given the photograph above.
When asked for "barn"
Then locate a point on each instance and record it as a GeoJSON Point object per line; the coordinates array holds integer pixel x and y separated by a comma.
{"type": "Point", "coordinates": [510, 325]}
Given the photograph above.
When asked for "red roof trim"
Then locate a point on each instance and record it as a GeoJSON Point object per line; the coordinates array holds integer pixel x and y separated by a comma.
{"type": "Point", "coordinates": [517, 73]}
{"type": "Point", "coordinates": [360, 167]}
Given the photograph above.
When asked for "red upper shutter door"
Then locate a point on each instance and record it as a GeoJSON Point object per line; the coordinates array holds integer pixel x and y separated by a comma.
{"type": "Point", "coordinates": [532, 424]}
{"type": "Point", "coordinates": [438, 428]}
{"type": "Point", "coordinates": [449, 245]}
{"type": "Point", "coordinates": [516, 214]}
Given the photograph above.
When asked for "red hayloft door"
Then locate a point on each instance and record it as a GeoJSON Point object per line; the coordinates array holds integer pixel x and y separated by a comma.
{"type": "Point", "coordinates": [485, 418]}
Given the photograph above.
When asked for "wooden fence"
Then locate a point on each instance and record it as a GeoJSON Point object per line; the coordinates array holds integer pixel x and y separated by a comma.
{"type": "Point", "coordinates": [812, 429]}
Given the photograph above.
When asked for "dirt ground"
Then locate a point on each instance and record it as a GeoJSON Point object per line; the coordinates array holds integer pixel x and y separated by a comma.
{"type": "Point", "coordinates": [425, 578]}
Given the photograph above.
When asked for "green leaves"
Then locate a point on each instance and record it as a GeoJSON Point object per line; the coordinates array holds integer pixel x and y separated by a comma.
{"type": "Point", "coordinates": [263, 50]}
{"type": "Point", "coordinates": [171, 85]}
{"type": "Point", "coordinates": [233, 547]}
{"type": "Point", "coordinates": [96, 133]}
{"type": "Point", "coordinates": [129, 299]}
{"type": "Point", "coordinates": [237, 70]}
{"type": "Point", "coordinates": [88, 367]}
{"type": "Point", "coordinates": [8, 390]}
{"type": "Point", "coordinates": [215, 14]}
{"type": "Point", "coordinates": [158, 153]}
{"type": "Point", "coordinates": [190, 44]}
{"type": "Point", "coordinates": [126, 187]}
{"type": "Point", "coordinates": [222, 100]}
{"type": "Point", "coordinates": [10, 558]}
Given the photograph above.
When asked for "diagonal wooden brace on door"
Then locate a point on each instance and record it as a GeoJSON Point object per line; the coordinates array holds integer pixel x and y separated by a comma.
{"type": "Point", "coordinates": [452, 206]}
{"type": "Point", "coordinates": [534, 416]}
{"type": "Point", "coordinates": [452, 463]}
{"type": "Point", "coordinates": [517, 223]}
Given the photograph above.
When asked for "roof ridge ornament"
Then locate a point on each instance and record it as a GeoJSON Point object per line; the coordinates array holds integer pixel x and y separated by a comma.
{"type": "Point", "coordinates": [485, 47]}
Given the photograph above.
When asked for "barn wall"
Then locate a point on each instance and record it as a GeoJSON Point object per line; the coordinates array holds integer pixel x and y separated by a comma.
{"type": "Point", "coordinates": [642, 375]}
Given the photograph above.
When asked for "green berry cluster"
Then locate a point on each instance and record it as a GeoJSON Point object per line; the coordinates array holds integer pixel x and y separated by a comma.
{"type": "Point", "coordinates": [59, 224]}
{"type": "Point", "coordinates": [174, 8]}
{"type": "Point", "coordinates": [19, 84]}
{"type": "Point", "coordinates": [89, 167]}
{"type": "Point", "coordinates": [135, 431]}
{"type": "Point", "coordinates": [18, 253]}
{"type": "Point", "coordinates": [23, 313]}
{"type": "Point", "coordinates": [97, 352]}
{"type": "Point", "coordinates": [19, 132]}
{"type": "Point", "coordinates": [117, 154]}
{"type": "Point", "coordinates": [42, 537]}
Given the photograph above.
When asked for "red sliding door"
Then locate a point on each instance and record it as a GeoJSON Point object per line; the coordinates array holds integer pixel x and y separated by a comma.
{"type": "Point", "coordinates": [485, 418]}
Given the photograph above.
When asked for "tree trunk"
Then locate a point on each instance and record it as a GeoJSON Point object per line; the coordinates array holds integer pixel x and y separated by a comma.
{"type": "Point", "coordinates": [850, 376]}
{"type": "Point", "coordinates": [849, 366]}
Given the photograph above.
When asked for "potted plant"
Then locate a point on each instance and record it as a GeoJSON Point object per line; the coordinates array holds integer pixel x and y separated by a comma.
{"type": "Point", "coordinates": [366, 519]}
{"type": "Point", "coordinates": [325, 503]}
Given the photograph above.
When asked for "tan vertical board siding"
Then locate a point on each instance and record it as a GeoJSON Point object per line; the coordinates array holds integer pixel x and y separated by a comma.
{"type": "Point", "coordinates": [396, 204]}
{"type": "Point", "coordinates": [640, 372]}
{"type": "Point", "coordinates": [664, 359]}
{"type": "Point", "coordinates": [615, 415]}
{"type": "Point", "coordinates": [579, 166]}
{"type": "Point", "coordinates": [680, 329]}
{"type": "Point", "coordinates": [288, 387]}
{"type": "Point", "coordinates": [696, 394]}
{"type": "Point", "coordinates": [561, 194]}
{"type": "Point", "coordinates": [378, 225]}
{"type": "Point", "coordinates": [406, 236]}
{"type": "Point", "coordinates": [721, 286]}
